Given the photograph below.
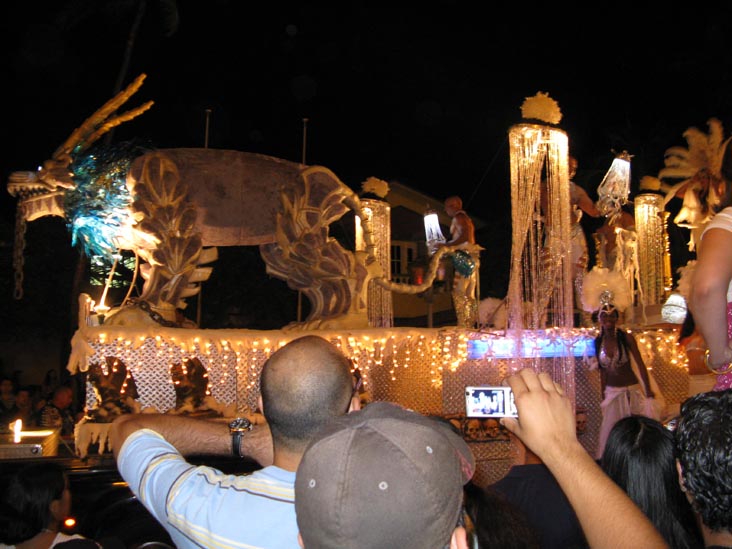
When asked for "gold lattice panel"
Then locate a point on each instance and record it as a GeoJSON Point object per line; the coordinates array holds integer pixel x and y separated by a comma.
{"type": "Point", "coordinates": [666, 361]}
{"type": "Point", "coordinates": [426, 370]}
{"type": "Point", "coordinates": [149, 365]}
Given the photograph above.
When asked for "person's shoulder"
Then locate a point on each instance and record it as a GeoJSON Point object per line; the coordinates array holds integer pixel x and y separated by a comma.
{"type": "Point", "coordinates": [532, 470]}
{"type": "Point", "coordinates": [272, 474]}
{"type": "Point", "coordinates": [47, 409]}
{"type": "Point", "coordinates": [575, 190]}
{"type": "Point", "coordinates": [74, 541]}
{"type": "Point", "coordinates": [721, 220]}
{"type": "Point", "coordinates": [78, 544]}
{"type": "Point", "coordinates": [604, 229]}
{"type": "Point", "coordinates": [268, 483]}
{"type": "Point", "coordinates": [628, 337]}
{"type": "Point", "coordinates": [626, 218]}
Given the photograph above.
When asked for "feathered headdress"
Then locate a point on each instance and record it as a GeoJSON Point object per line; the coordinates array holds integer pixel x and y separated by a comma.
{"type": "Point", "coordinates": [606, 290]}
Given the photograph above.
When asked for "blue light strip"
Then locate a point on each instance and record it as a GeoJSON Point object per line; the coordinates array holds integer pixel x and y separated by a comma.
{"type": "Point", "coordinates": [533, 344]}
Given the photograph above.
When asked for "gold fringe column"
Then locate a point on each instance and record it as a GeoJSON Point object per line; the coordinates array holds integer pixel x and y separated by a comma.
{"type": "Point", "coordinates": [380, 306]}
{"type": "Point", "coordinates": [649, 221]}
{"type": "Point", "coordinates": [541, 273]}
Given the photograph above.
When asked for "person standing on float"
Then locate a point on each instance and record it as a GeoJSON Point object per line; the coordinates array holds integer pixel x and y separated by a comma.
{"type": "Point", "coordinates": [624, 380]}
{"type": "Point", "coordinates": [465, 284]}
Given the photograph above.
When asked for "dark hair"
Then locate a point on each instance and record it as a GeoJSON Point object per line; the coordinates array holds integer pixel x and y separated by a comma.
{"type": "Point", "coordinates": [26, 501]}
{"type": "Point", "coordinates": [496, 521]}
{"type": "Point", "coordinates": [687, 327]}
{"type": "Point", "coordinates": [639, 457]}
{"type": "Point", "coordinates": [704, 448]}
{"type": "Point", "coordinates": [304, 384]}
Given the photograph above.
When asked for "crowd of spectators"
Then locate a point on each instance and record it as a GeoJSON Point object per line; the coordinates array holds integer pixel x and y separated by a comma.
{"type": "Point", "coordinates": [335, 474]}
{"type": "Point", "coordinates": [386, 476]}
{"type": "Point", "coordinates": [49, 405]}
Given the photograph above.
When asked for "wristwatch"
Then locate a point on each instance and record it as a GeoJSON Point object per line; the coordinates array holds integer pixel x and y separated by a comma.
{"type": "Point", "coordinates": [237, 428]}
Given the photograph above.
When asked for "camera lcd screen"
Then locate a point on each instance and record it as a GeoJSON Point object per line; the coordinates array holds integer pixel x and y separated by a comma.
{"type": "Point", "coordinates": [489, 402]}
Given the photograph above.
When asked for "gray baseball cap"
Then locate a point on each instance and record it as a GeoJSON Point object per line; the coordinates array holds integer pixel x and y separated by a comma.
{"type": "Point", "coordinates": [382, 477]}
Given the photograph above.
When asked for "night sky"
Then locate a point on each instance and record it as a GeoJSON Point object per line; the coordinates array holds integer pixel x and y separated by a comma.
{"type": "Point", "coordinates": [421, 95]}
{"type": "Point", "coordinates": [424, 96]}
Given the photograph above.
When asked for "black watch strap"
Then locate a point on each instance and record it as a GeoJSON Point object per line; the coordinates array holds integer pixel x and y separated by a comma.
{"type": "Point", "coordinates": [237, 428]}
{"type": "Point", "coordinates": [236, 443]}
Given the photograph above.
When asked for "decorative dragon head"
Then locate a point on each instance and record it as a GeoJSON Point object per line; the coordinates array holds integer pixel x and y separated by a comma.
{"type": "Point", "coordinates": [55, 174]}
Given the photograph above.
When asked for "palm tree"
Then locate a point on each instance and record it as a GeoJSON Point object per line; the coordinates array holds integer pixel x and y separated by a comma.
{"type": "Point", "coordinates": [168, 11]}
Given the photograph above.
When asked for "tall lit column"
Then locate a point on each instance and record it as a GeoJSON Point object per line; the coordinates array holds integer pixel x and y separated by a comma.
{"type": "Point", "coordinates": [540, 280]}
{"type": "Point", "coordinates": [380, 307]}
{"type": "Point", "coordinates": [541, 273]}
{"type": "Point", "coordinates": [649, 224]}
{"type": "Point", "coordinates": [668, 281]}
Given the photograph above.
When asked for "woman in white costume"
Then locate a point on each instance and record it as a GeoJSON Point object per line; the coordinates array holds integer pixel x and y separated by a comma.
{"type": "Point", "coordinates": [627, 387]}
{"type": "Point", "coordinates": [624, 378]}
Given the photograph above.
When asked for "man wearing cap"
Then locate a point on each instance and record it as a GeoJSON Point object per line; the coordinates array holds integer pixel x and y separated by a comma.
{"type": "Point", "coordinates": [383, 477]}
{"type": "Point", "coordinates": [304, 385]}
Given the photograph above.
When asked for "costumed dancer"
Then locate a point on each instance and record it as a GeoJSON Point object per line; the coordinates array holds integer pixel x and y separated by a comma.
{"type": "Point", "coordinates": [465, 262]}
{"type": "Point", "coordinates": [580, 203]}
{"type": "Point", "coordinates": [606, 239]}
{"type": "Point", "coordinates": [627, 386]}
{"type": "Point", "coordinates": [711, 292]}
{"type": "Point", "coordinates": [617, 247]}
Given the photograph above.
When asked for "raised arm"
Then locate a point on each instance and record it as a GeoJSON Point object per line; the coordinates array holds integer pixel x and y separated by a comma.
{"type": "Point", "coordinates": [583, 201]}
{"type": "Point", "coordinates": [708, 300]}
{"type": "Point", "coordinates": [546, 424]}
{"type": "Point", "coordinates": [194, 436]}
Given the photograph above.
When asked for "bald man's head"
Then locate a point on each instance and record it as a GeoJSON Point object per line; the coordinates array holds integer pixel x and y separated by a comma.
{"type": "Point", "coordinates": [454, 203]}
{"type": "Point", "coordinates": [304, 385]}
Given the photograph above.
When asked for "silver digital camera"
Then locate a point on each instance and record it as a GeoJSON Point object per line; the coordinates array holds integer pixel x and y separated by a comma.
{"type": "Point", "coordinates": [488, 401]}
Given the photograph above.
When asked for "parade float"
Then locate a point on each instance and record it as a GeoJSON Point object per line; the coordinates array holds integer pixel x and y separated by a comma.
{"type": "Point", "coordinates": [173, 207]}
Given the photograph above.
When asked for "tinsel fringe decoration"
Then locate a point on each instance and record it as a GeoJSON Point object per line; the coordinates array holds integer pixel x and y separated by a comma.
{"type": "Point", "coordinates": [602, 288]}
{"type": "Point", "coordinates": [99, 204]}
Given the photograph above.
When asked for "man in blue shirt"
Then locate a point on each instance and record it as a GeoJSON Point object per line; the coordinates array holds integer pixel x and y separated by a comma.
{"type": "Point", "coordinates": [304, 385]}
